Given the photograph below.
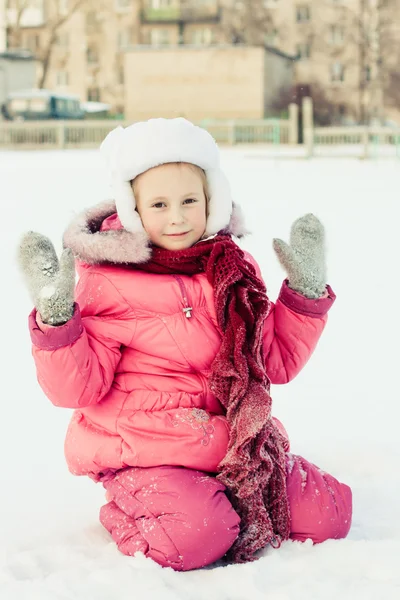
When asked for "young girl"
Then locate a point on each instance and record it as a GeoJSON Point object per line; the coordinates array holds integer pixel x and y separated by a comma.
{"type": "Point", "coordinates": [166, 350]}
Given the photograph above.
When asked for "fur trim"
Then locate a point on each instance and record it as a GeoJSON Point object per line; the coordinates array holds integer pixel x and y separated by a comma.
{"type": "Point", "coordinates": [119, 246]}
{"type": "Point", "coordinates": [92, 246]}
{"type": "Point", "coordinates": [237, 225]}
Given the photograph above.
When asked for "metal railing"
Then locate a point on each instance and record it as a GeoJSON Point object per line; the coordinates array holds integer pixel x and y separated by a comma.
{"type": "Point", "coordinates": [43, 135]}
{"type": "Point", "coordinates": [266, 131]}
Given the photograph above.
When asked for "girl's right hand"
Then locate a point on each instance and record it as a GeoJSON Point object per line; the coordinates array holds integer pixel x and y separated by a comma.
{"type": "Point", "coordinates": [50, 282]}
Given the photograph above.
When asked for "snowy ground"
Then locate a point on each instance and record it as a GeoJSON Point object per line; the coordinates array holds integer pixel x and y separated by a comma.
{"type": "Point", "coordinates": [342, 411]}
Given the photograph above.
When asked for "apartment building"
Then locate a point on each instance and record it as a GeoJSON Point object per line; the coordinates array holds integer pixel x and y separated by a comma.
{"type": "Point", "coordinates": [338, 43]}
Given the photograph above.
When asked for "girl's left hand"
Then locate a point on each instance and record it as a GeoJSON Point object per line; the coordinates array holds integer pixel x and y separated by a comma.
{"type": "Point", "coordinates": [304, 259]}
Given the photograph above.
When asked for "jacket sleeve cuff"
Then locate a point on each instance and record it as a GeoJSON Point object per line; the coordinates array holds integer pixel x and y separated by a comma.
{"type": "Point", "coordinates": [306, 306]}
{"type": "Point", "coordinates": [48, 337]}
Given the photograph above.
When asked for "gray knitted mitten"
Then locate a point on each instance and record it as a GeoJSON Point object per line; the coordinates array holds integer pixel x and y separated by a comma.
{"type": "Point", "coordinates": [50, 282]}
{"type": "Point", "coordinates": [304, 258]}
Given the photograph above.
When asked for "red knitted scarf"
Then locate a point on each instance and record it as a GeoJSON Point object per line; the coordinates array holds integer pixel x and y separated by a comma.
{"type": "Point", "coordinates": [253, 469]}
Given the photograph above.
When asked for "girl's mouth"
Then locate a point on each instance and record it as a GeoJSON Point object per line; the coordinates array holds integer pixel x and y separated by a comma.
{"type": "Point", "coordinates": [177, 234]}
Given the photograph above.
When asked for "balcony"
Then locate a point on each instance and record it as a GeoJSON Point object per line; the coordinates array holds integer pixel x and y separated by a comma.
{"type": "Point", "coordinates": [181, 14]}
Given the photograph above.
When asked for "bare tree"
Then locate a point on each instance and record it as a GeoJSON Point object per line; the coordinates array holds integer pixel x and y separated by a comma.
{"type": "Point", "coordinates": [247, 21]}
{"type": "Point", "coordinates": [362, 39]}
{"type": "Point", "coordinates": [14, 30]}
{"type": "Point", "coordinates": [388, 35]}
{"type": "Point", "coordinates": [326, 110]}
{"type": "Point", "coordinates": [57, 14]}
{"type": "Point", "coordinates": [54, 25]}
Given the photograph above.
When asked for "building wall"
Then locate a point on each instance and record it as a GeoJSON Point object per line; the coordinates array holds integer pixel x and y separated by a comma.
{"type": "Point", "coordinates": [68, 72]}
{"type": "Point", "coordinates": [278, 79]}
{"type": "Point", "coordinates": [225, 82]}
{"type": "Point", "coordinates": [15, 74]}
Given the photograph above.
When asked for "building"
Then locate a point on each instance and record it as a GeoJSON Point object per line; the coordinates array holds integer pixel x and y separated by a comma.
{"type": "Point", "coordinates": [344, 48]}
{"type": "Point", "coordinates": [224, 81]}
{"type": "Point", "coordinates": [347, 50]}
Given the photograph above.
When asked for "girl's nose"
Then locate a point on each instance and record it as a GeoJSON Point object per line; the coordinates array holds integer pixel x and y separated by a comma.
{"type": "Point", "coordinates": [176, 217]}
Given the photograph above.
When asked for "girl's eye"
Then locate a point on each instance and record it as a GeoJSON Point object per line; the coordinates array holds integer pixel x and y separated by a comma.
{"type": "Point", "coordinates": [158, 205]}
{"type": "Point", "coordinates": [190, 200]}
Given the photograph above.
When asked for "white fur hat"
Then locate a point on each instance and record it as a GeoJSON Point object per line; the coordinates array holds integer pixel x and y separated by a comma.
{"type": "Point", "coordinates": [135, 149]}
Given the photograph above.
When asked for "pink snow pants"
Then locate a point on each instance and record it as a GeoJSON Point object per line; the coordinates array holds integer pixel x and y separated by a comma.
{"type": "Point", "coordinates": [182, 518]}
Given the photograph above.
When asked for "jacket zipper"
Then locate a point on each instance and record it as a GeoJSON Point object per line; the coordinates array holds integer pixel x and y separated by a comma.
{"type": "Point", "coordinates": [186, 308]}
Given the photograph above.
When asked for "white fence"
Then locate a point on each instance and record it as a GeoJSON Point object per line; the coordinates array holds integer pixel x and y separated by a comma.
{"type": "Point", "coordinates": [361, 142]}
{"type": "Point", "coordinates": [46, 135]}
{"type": "Point", "coordinates": [267, 131]}
{"type": "Point", "coordinates": [43, 135]}
{"type": "Point", "coordinates": [277, 134]}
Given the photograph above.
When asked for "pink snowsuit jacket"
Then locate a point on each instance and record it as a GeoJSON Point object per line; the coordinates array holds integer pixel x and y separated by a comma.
{"type": "Point", "coordinates": [135, 368]}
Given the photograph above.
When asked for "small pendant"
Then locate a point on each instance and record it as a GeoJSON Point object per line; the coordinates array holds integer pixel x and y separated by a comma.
{"type": "Point", "coordinates": [188, 312]}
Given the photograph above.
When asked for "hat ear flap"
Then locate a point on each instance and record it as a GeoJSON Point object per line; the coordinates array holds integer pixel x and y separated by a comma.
{"type": "Point", "coordinates": [125, 203]}
{"type": "Point", "coordinates": [220, 203]}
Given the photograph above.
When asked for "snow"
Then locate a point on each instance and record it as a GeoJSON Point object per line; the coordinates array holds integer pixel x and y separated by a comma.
{"type": "Point", "coordinates": [342, 412]}
{"type": "Point", "coordinates": [94, 107]}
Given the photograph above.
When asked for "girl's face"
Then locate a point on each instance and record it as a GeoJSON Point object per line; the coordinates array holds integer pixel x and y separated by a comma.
{"type": "Point", "coordinates": [172, 205]}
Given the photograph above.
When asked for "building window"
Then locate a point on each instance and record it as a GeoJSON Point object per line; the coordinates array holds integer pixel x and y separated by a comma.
{"type": "Point", "coordinates": [202, 37]}
{"type": "Point", "coordinates": [63, 40]}
{"type": "Point", "coordinates": [121, 75]}
{"type": "Point", "coordinates": [92, 55]}
{"type": "Point", "coordinates": [124, 38]}
{"type": "Point", "coordinates": [63, 7]}
{"type": "Point", "coordinates": [93, 94]}
{"type": "Point", "coordinates": [122, 4]}
{"type": "Point", "coordinates": [337, 72]}
{"type": "Point", "coordinates": [62, 78]}
{"type": "Point", "coordinates": [159, 37]}
{"type": "Point", "coordinates": [33, 42]}
{"type": "Point", "coordinates": [157, 4]}
{"type": "Point", "coordinates": [271, 38]}
{"type": "Point", "coordinates": [303, 51]}
{"type": "Point", "coordinates": [303, 13]}
{"type": "Point", "coordinates": [336, 35]}
{"type": "Point", "coordinates": [91, 21]}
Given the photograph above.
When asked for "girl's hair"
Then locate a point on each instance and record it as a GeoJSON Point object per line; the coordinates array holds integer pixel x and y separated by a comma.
{"type": "Point", "coordinates": [195, 169]}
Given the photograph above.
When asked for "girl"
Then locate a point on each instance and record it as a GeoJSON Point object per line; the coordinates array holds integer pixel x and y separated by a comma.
{"type": "Point", "coordinates": [166, 350]}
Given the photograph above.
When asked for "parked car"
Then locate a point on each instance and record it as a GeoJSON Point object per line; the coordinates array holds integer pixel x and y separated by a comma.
{"type": "Point", "coordinates": [35, 105]}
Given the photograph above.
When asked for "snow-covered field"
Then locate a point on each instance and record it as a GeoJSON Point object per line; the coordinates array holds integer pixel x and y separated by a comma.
{"type": "Point", "coordinates": [342, 411]}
